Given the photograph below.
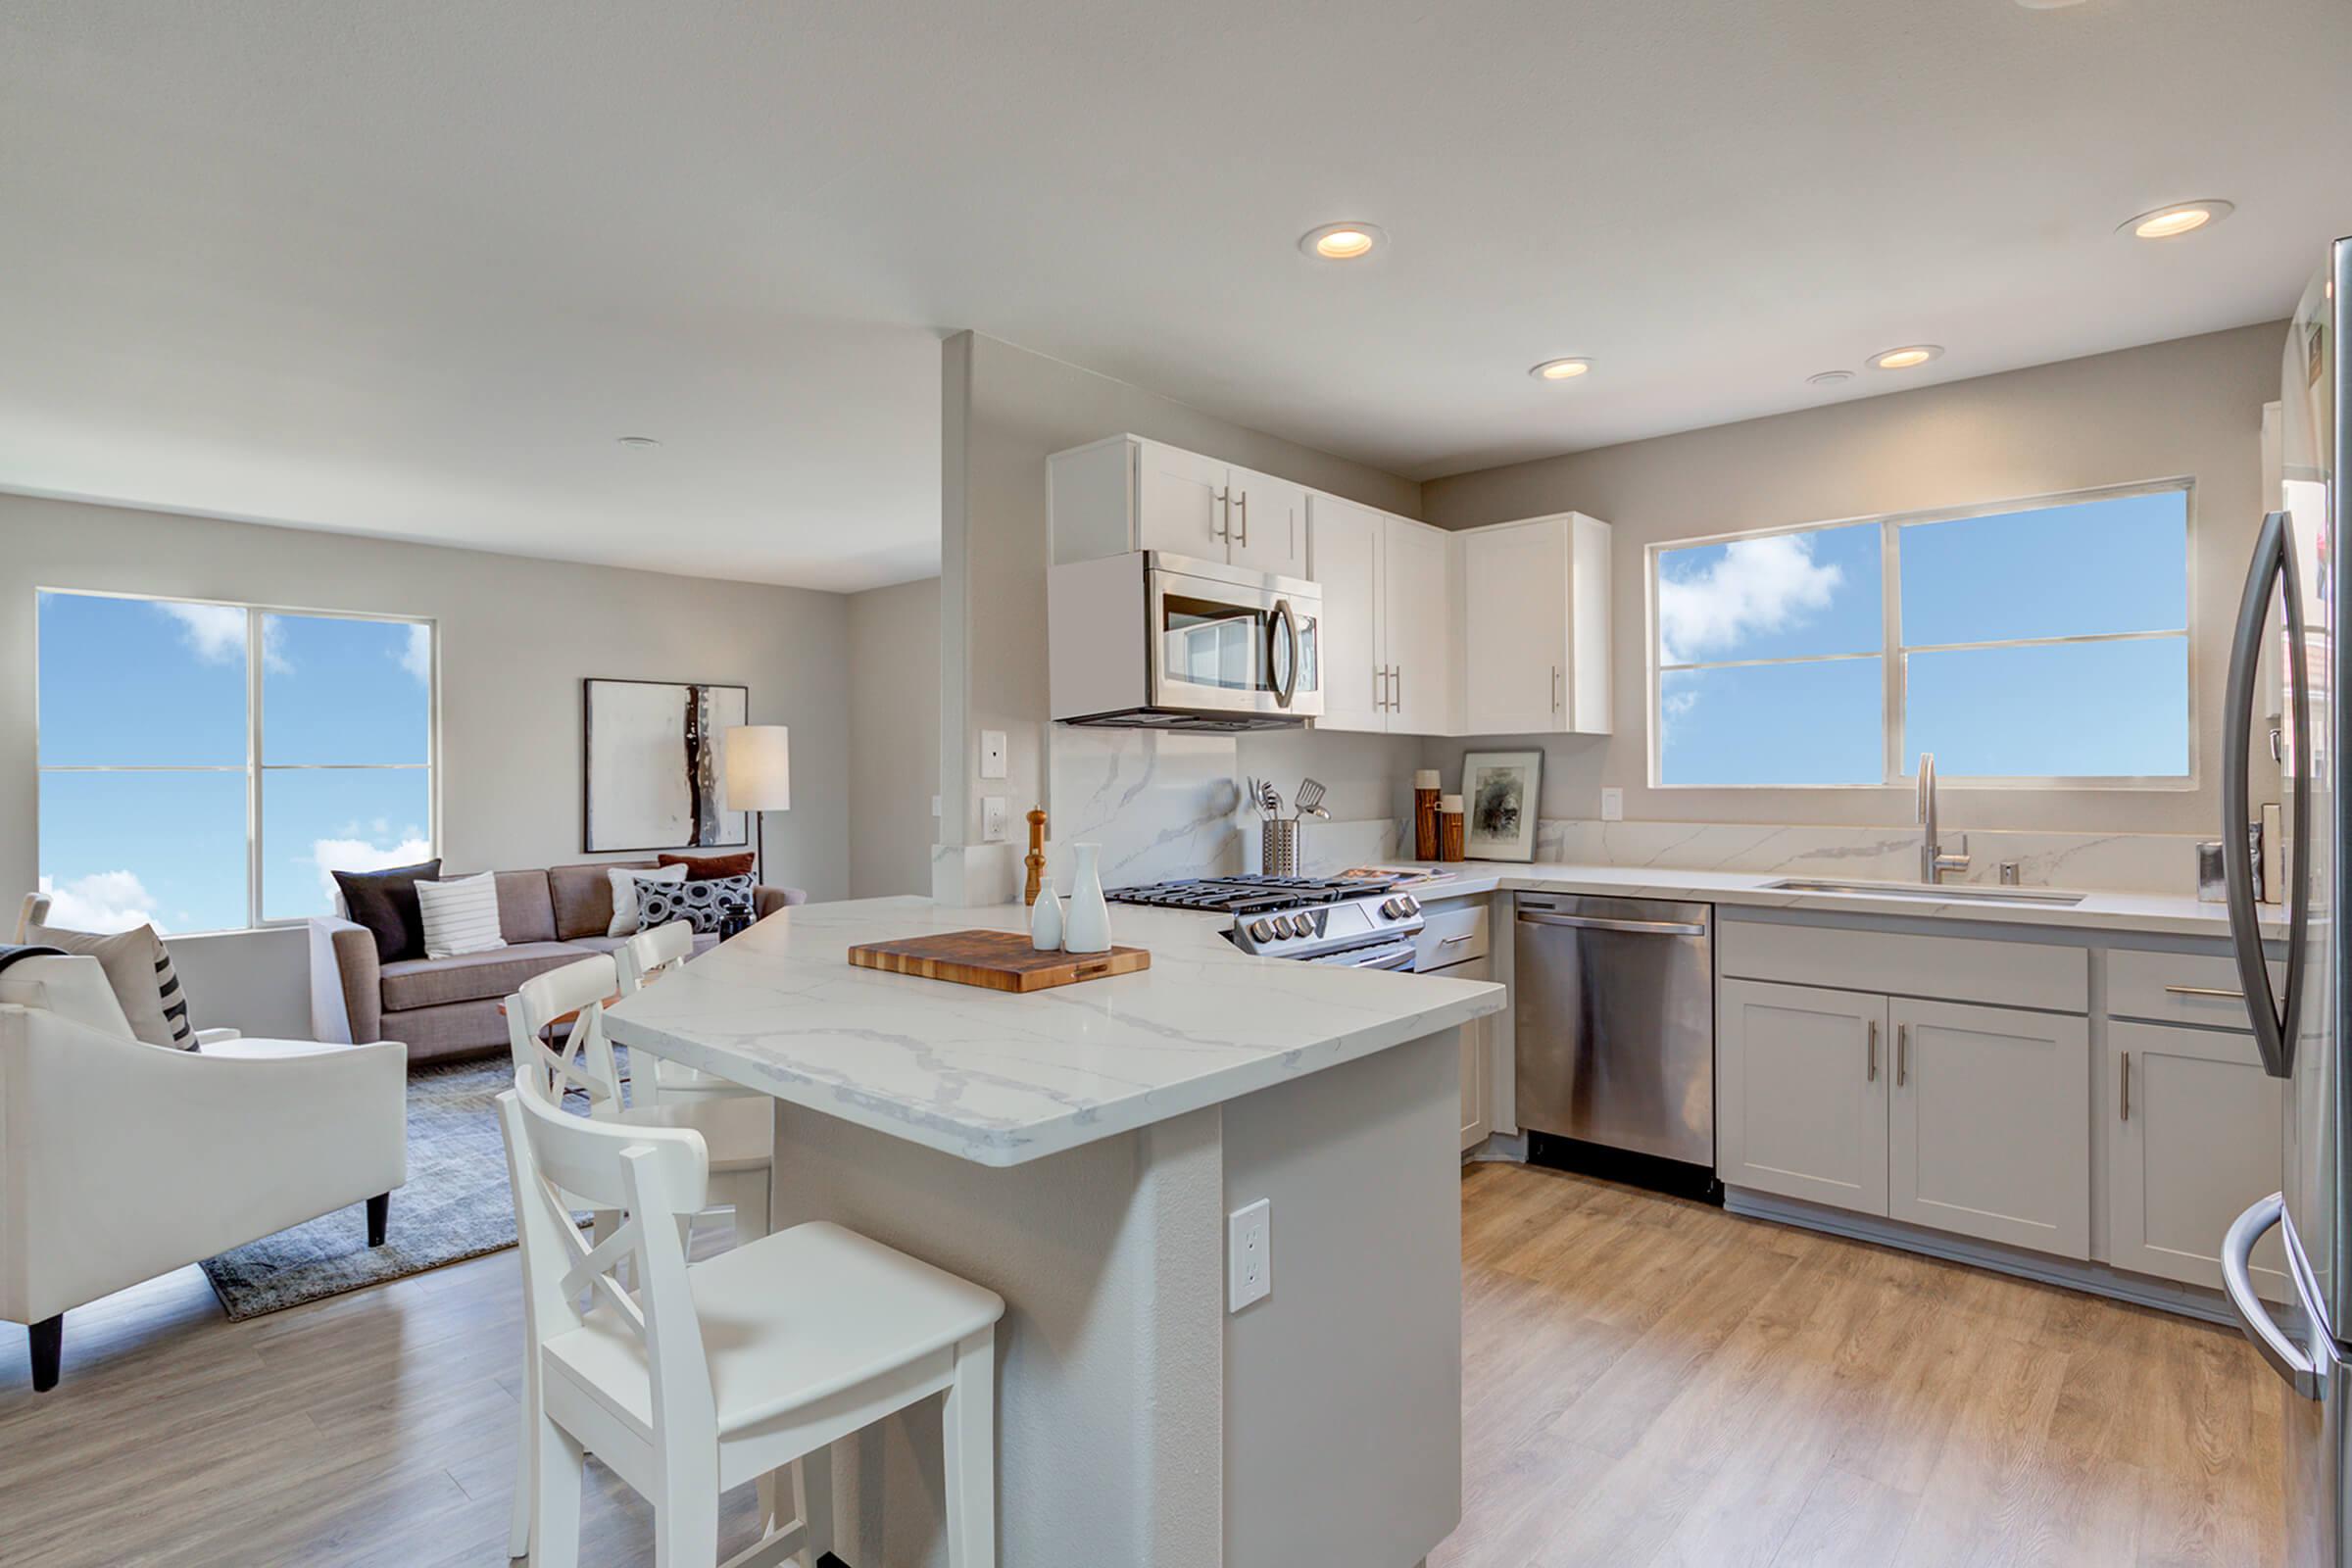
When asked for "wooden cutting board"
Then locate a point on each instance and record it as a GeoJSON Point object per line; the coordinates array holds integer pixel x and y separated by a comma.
{"type": "Point", "coordinates": [999, 961]}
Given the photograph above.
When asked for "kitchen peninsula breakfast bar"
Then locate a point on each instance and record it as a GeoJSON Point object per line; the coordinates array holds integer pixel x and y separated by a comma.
{"type": "Point", "coordinates": [1078, 1151]}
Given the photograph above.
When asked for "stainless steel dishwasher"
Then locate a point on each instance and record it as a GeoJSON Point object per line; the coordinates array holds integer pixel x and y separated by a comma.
{"type": "Point", "coordinates": [1615, 1024]}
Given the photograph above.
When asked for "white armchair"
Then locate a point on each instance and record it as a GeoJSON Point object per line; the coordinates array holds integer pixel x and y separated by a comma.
{"type": "Point", "coordinates": [121, 1160]}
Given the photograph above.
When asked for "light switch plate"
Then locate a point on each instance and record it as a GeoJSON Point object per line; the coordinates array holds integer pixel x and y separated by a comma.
{"type": "Point", "coordinates": [992, 819]}
{"type": "Point", "coordinates": [992, 754]}
{"type": "Point", "coordinates": [1612, 806]}
{"type": "Point", "coordinates": [1250, 1255]}
{"type": "Point", "coordinates": [935, 806]}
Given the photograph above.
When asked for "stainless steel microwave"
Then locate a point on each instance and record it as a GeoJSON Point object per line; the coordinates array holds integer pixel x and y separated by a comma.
{"type": "Point", "coordinates": [1153, 641]}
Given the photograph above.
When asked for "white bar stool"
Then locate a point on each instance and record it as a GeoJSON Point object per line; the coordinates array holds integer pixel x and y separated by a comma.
{"type": "Point", "coordinates": [711, 1374]}
{"type": "Point", "coordinates": [643, 959]}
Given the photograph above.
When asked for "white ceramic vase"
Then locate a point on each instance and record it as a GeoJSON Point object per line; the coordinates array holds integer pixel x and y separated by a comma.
{"type": "Point", "coordinates": [1045, 919]}
{"type": "Point", "coordinates": [1086, 928]}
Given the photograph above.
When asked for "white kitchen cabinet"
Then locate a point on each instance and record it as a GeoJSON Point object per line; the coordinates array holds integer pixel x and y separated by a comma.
{"type": "Point", "coordinates": [1535, 617]}
{"type": "Point", "coordinates": [1477, 1120]}
{"type": "Point", "coordinates": [1388, 622]}
{"type": "Point", "coordinates": [2198, 1133]}
{"type": "Point", "coordinates": [1126, 493]}
{"type": "Point", "coordinates": [1990, 1124]}
{"type": "Point", "coordinates": [1266, 530]}
{"type": "Point", "coordinates": [1801, 1080]}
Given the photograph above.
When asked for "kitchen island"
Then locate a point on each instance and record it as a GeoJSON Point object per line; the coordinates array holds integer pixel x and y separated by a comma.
{"type": "Point", "coordinates": [1077, 1150]}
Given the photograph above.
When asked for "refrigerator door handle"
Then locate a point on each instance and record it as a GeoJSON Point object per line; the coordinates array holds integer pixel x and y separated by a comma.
{"type": "Point", "coordinates": [2272, 1013]}
{"type": "Point", "coordinates": [2286, 1358]}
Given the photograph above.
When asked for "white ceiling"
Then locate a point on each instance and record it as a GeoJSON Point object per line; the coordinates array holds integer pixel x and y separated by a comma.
{"type": "Point", "coordinates": [410, 268]}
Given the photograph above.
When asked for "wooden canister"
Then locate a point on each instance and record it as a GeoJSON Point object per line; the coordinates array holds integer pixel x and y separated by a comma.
{"type": "Point", "coordinates": [1449, 828]}
{"type": "Point", "coordinates": [1425, 815]}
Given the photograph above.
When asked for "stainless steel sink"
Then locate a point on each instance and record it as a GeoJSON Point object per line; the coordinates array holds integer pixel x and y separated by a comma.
{"type": "Point", "coordinates": [1922, 890]}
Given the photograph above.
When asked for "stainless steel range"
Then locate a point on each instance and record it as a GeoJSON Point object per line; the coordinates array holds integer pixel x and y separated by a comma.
{"type": "Point", "coordinates": [1363, 925]}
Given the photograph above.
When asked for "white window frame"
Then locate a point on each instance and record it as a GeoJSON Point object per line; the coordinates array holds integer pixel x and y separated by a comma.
{"type": "Point", "coordinates": [1896, 770]}
{"type": "Point", "coordinates": [253, 768]}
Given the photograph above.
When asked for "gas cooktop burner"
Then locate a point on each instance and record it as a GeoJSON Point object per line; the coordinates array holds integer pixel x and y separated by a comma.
{"type": "Point", "coordinates": [1250, 894]}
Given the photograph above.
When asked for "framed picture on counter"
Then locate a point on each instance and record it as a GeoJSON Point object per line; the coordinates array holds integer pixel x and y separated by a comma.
{"type": "Point", "coordinates": [1499, 792]}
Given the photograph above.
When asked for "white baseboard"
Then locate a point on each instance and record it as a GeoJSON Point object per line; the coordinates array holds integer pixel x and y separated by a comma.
{"type": "Point", "coordinates": [2163, 1296]}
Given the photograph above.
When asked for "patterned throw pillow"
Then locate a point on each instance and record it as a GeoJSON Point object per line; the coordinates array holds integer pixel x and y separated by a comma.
{"type": "Point", "coordinates": [702, 903]}
{"type": "Point", "coordinates": [138, 966]}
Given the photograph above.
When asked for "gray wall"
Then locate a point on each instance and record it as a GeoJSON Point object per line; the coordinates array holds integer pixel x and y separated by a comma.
{"type": "Point", "coordinates": [1005, 411]}
{"type": "Point", "coordinates": [2190, 407]}
{"type": "Point", "coordinates": [893, 737]}
{"type": "Point", "coordinates": [516, 637]}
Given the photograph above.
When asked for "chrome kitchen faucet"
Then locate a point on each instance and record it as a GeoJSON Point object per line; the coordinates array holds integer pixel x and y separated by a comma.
{"type": "Point", "coordinates": [1933, 861]}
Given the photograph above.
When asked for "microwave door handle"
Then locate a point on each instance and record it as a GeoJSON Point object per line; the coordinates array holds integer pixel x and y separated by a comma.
{"type": "Point", "coordinates": [2273, 1013]}
{"type": "Point", "coordinates": [1284, 625]}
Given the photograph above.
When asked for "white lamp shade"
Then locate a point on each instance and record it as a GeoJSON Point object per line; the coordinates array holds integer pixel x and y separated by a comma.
{"type": "Point", "coordinates": [759, 768]}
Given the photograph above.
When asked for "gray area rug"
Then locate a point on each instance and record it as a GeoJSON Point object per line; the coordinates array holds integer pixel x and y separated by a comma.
{"type": "Point", "coordinates": [456, 1205]}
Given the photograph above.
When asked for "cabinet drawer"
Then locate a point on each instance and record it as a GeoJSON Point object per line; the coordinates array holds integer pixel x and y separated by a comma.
{"type": "Point", "coordinates": [2178, 987]}
{"type": "Point", "coordinates": [2017, 974]}
{"type": "Point", "coordinates": [1454, 933]}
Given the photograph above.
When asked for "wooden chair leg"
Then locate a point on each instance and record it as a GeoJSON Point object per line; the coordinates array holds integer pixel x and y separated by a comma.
{"type": "Point", "coordinates": [380, 1218]}
{"type": "Point", "coordinates": [969, 1449]}
{"type": "Point", "coordinates": [47, 1341]}
{"type": "Point", "coordinates": [557, 1465]}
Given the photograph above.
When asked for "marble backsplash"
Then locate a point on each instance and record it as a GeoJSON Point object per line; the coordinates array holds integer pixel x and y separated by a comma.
{"type": "Point", "coordinates": [1170, 805]}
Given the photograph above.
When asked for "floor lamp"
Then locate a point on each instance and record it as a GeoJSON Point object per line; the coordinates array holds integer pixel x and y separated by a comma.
{"type": "Point", "coordinates": [759, 780]}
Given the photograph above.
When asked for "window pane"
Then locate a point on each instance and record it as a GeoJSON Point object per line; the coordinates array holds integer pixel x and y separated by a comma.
{"type": "Point", "coordinates": [345, 691]}
{"type": "Point", "coordinates": [130, 682]}
{"type": "Point", "coordinates": [2057, 709]}
{"type": "Point", "coordinates": [337, 820]}
{"type": "Point", "coordinates": [2054, 571]}
{"type": "Point", "coordinates": [1787, 595]}
{"type": "Point", "coordinates": [120, 849]}
{"type": "Point", "coordinates": [1773, 724]}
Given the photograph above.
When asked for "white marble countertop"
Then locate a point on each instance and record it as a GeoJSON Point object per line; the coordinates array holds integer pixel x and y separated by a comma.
{"type": "Point", "coordinates": [2154, 913]}
{"type": "Point", "coordinates": [999, 1078]}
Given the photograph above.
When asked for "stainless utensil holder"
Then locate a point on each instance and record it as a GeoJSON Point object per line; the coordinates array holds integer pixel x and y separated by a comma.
{"type": "Point", "coordinates": [1278, 849]}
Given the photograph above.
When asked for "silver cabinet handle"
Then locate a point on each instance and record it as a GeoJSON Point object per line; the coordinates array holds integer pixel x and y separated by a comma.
{"type": "Point", "coordinates": [1555, 688]}
{"type": "Point", "coordinates": [2204, 991]}
{"type": "Point", "coordinates": [1902, 1055]}
{"type": "Point", "coordinates": [1870, 1073]}
{"type": "Point", "coordinates": [1395, 688]}
{"type": "Point", "coordinates": [1243, 541]}
{"type": "Point", "coordinates": [2126, 1090]}
{"type": "Point", "coordinates": [2286, 1358]}
{"type": "Point", "coordinates": [1585, 922]}
{"type": "Point", "coordinates": [1223, 530]}
{"type": "Point", "coordinates": [1447, 942]}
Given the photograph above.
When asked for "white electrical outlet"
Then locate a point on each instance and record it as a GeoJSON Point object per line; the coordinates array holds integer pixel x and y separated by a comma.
{"type": "Point", "coordinates": [992, 754]}
{"type": "Point", "coordinates": [1612, 806]}
{"type": "Point", "coordinates": [1250, 1255]}
{"type": "Point", "coordinates": [992, 819]}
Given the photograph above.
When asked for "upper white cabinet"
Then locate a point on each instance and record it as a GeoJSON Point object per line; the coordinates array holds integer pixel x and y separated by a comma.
{"type": "Point", "coordinates": [1388, 619]}
{"type": "Point", "coordinates": [1534, 616]}
{"type": "Point", "coordinates": [1127, 493]}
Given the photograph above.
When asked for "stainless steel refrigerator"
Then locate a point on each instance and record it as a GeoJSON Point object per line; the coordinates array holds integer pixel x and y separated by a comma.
{"type": "Point", "coordinates": [2293, 592]}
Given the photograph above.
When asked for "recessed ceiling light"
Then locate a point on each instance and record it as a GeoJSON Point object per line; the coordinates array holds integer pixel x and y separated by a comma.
{"type": "Point", "coordinates": [1559, 369]}
{"type": "Point", "coordinates": [1906, 358]}
{"type": "Point", "coordinates": [2170, 222]}
{"type": "Point", "coordinates": [1828, 378]}
{"type": "Point", "coordinates": [639, 442]}
{"type": "Point", "coordinates": [1340, 242]}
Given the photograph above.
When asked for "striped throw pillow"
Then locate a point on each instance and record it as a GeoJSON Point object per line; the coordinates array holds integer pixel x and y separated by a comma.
{"type": "Point", "coordinates": [138, 968]}
{"type": "Point", "coordinates": [461, 916]}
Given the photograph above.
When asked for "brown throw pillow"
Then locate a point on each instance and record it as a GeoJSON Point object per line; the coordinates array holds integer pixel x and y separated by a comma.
{"type": "Point", "coordinates": [385, 902]}
{"type": "Point", "coordinates": [703, 867]}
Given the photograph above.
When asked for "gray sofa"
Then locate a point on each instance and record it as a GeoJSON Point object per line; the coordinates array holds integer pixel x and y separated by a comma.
{"type": "Point", "coordinates": [448, 1008]}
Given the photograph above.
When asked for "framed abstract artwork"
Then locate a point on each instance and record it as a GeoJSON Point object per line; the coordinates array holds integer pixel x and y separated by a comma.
{"type": "Point", "coordinates": [650, 765]}
{"type": "Point", "coordinates": [1499, 792]}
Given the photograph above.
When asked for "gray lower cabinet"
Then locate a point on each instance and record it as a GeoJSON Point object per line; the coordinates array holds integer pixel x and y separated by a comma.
{"type": "Point", "coordinates": [1990, 1124]}
{"type": "Point", "coordinates": [2198, 1133]}
{"type": "Point", "coordinates": [1800, 1093]}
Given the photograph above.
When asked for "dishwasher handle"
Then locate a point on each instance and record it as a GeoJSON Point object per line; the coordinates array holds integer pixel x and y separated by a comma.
{"type": "Point", "coordinates": [1586, 922]}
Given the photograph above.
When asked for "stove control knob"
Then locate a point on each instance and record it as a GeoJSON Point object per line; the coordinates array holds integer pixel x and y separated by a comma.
{"type": "Point", "coordinates": [1394, 908]}
{"type": "Point", "coordinates": [1302, 925]}
{"type": "Point", "coordinates": [1261, 931]}
{"type": "Point", "coordinates": [1412, 906]}
{"type": "Point", "coordinates": [1282, 926]}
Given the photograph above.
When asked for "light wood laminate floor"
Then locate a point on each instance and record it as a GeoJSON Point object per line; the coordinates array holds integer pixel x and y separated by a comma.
{"type": "Point", "coordinates": [1647, 1383]}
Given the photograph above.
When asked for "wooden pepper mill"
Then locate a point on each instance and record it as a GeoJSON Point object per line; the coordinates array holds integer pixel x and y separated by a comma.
{"type": "Point", "coordinates": [1425, 815]}
{"type": "Point", "coordinates": [1035, 859]}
